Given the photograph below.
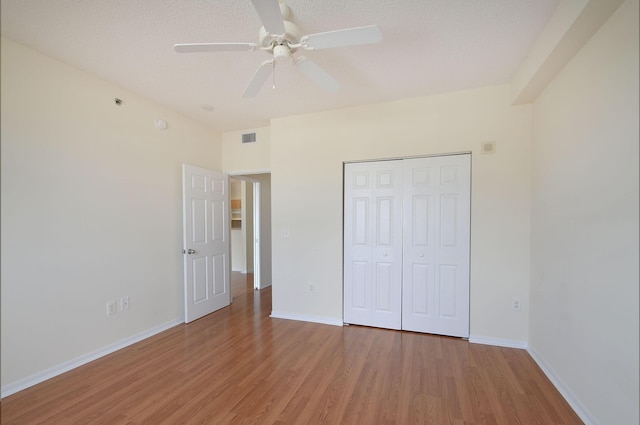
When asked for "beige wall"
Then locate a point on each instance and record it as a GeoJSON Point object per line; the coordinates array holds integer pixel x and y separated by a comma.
{"type": "Point", "coordinates": [584, 282]}
{"type": "Point", "coordinates": [246, 158]}
{"type": "Point", "coordinates": [265, 228]}
{"type": "Point", "coordinates": [91, 211]}
{"type": "Point", "coordinates": [307, 155]}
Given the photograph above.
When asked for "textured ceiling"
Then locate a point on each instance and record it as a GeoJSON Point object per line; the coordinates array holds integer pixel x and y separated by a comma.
{"type": "Point", "coordinates": [428, 46]}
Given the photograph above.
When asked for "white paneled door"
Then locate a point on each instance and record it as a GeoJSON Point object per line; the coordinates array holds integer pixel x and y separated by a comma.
{"type": "Point", "coordinates": [206, 243]}
{"type": "Point", "coordinates": [373, 244]}
{"type": "Point", "coordinates": [406, 244]}
{"type": "Point", "coordinates": [436, 229]}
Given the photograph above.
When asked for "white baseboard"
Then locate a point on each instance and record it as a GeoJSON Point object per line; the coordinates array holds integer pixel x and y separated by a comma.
{"type": "Point", "coordinates": [568, 395]}
{"type": "Point", "coordinates": [305, 318]}
{"type": "Point", "coordinates": [509, 343]}
{"type": "Point", "coordinates": [49, 373]}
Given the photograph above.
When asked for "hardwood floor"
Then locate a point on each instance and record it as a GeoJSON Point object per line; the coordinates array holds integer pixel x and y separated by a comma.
{"type": "Point", "coordinates": [241, 284]}
{"type": "Point", "coordinates": [238, 366]}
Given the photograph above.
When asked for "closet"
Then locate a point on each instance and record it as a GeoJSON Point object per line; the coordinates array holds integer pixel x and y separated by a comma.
{"type": "Point", "coordinates": [406, 244]}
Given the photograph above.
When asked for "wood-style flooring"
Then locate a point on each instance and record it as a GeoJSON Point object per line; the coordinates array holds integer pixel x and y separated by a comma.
{"type": "Point", "coordinates": [239, 366]}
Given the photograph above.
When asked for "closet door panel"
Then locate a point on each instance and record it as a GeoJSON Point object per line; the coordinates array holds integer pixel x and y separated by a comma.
{"type": "Point", "coordinates": [436, 245]}
{"type": "Point", "coordinates": [420, 304]}
{"type": "Point", "coordinates": [357, 245]}
{"type": "Point", "coordinates": [373, 244]}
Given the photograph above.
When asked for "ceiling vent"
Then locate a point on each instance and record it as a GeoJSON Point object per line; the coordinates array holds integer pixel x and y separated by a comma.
{"type": "Point", "coordinates": [249, 138]}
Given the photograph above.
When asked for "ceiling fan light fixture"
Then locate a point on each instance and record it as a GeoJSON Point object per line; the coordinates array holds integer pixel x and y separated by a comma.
{"type": "Point", "coordinates": [281, 52]}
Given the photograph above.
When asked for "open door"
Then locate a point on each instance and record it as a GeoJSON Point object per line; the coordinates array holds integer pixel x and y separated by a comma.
{"type": "Point", "coordinates": [206, 245]}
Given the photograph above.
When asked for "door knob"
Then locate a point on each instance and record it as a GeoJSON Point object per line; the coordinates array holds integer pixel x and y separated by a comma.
{"type": "Point", "coordinates": [421, 255]}
{"type": "Point", "coordinates": [190, 251]}
{"type": "Point", "coordinates": [384, 254]}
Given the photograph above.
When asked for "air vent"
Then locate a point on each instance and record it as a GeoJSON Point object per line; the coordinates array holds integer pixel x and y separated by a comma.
{"type": "Point", "coordinates": [249, 138]}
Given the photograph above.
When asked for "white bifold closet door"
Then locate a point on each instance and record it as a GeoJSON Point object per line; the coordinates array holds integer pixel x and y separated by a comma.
{"type": "Point", "coordinates": [435, 262]}
{"type": "Point", "coordinates": [406, 244]}
{"type": "Point", "coordinates": [373, 244]}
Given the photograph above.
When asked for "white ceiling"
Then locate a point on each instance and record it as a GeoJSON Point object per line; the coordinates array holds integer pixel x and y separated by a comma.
{"type": "Point", "coordinates": [429, 46]}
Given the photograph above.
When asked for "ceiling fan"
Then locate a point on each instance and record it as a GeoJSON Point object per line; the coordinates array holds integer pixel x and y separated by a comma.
{"type": "Point", "coordinates": [281, 39]}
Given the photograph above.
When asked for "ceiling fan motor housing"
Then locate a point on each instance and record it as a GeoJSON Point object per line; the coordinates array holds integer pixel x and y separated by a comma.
{"type": "Point", "coordinates": [291, 36]}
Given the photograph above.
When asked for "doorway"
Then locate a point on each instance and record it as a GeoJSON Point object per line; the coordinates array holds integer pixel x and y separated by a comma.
{"type": "Point", "coordinates": [251, 229]}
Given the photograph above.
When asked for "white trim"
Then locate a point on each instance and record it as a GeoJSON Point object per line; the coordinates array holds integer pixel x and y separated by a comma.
{"type": "Point", "coordinates": [257, 236]}
{"type": "Point", "coordinates": [243, 173]}
{"type": "Point", "coordinates": [509, 343]}
{"type": "Point", "coordinates": [51, 372]}
{"type": "Point", "coordinates": [356, 161]}
{"type": "Point", "coordinates": [568, 395]}
{"type": "Point", "coordinates": [305, 318]}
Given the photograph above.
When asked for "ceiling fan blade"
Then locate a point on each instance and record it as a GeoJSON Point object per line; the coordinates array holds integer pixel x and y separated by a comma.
{"type": "Point", "coordinates": [258, 79]}
{"type": "Point", "coordinates": [270, 15]}
{"type": "Point", "coordinates": [342, 38]}
{"type": "Point", "coordinates": [215, 47]}
{"type": "Point", "coordinates": [317, 74]}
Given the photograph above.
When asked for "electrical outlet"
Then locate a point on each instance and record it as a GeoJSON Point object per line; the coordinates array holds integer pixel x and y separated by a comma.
{"type": "Point", "coordinates": [111, 308]}
{"type": "Point", "coordinates": [124, 303]}
{"type": "Point", "coordinates": [516, 304]}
